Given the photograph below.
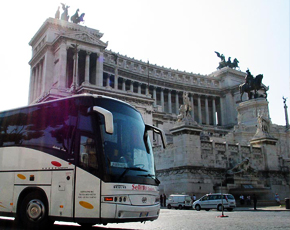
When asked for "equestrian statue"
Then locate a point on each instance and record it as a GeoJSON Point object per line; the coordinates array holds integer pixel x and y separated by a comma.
{"type": "Point", "coordinates": [252, 85]}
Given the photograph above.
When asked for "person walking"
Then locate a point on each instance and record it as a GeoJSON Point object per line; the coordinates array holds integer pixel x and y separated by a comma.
{"type": "Point", "coordinates": [277, 198]}
{"type": "Point", "coordinates": [164, 200]}
{"type": "Point", "coordinates": [242, 200]}
{"type": "Point", "coordinates": [255, 200]}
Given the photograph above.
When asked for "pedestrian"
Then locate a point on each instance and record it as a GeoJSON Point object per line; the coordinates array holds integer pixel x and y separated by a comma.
{"type": "Point", "coordinates": [242, 201]}
{"type": "Point", "coordinates": [161, 200]}
{"type": "Point", "coordinates": [193, 198]}
{"type": "Point", "coordinates": [248, 200]}
{"type": "Point", "coordinates": [255, 200]}
{"type": "Point", "coordinates": [164, 200]}
{"type": "Point", "coordinates": [277, 198]}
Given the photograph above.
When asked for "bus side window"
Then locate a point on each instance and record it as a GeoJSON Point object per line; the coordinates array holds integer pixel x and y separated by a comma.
{"type": "Point", "coordinates": [88, 154]}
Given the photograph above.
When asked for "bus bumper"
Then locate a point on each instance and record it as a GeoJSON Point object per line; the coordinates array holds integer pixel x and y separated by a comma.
{"type": "Point", "coordinates": [129, 213]}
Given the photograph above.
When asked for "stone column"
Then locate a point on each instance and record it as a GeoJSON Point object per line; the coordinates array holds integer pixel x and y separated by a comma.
{"type": "Point", "coordinates": [222, 111]}
{"type": "Point", "coordinates": [123, 84]}
{"type": "Point", "coordinates": [99, 71]}
{"type": "Point", "coordinates": [108, 80]}
{"type": "Point", "coordinates": [199, 109]}
{"type": "Point", "coordinates": [139, 87]}
{"type": "Point", "coordinates": [39, 78]}
{"type": "Point", "coordinates": [162, 99]}
{"type": "Point", "coordinates": [192, 105]}
{"type": "Point", "coordinates": [30, 95]}
{"type": "Point", "coordinates": [62, 78]}
{"type": "Point", "coordinates": [37, 81]}
{"type": "Point", "coordinates": [154, 96]}
{"type": "Point", "coordinates": [75, 70]}
{"type": "Point", "coordinates": [169, 102]}
{"type": "Point", "coordinates": [147, 90]}
{"type": "Point", "coordinates": [206, 111]}
{"type": "Point", "coordinates": [214, 111]}
{"type": "Point", "coordinates": [87, 68]}
{"type": "Point", "coordinates": [131, 86]}
{"type": "Point", "coordinates": [177, 102]}
{"type": "Point", "coordinates": [116, 77]}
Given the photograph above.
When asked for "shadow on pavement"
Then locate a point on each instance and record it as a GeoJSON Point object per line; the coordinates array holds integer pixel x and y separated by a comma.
{"type": "Point", "coordinates": [6, 224]}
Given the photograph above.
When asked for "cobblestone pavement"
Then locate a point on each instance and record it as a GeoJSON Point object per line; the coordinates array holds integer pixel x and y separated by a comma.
{"type": "Point", "coordinates": [243, 218]}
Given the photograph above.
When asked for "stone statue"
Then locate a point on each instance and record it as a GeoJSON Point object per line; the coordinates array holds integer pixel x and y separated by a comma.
{"type": "Point", "coordinates": [284, 101]}
{"type": "Point", "coordinates": [263, 126]}
{"type": "Point", "coordinates": [76, 18]}
{"type": "Point", "coordinates": [64, 15]}
{"type": "Point", "coordinates": [185, 108]}
{"type": "Point", "coordinates": [57, 13]}
{"type": "Point", "coordinates": [286, 112]}
{"type": "Point", "coordinates": [241, 167]}
{"type": "Point", "coordinates": [252, 86]}
{"type": "Point", "coordinates": [223, 63]}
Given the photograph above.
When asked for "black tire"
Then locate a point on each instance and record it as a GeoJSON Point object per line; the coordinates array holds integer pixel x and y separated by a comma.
{"type": "Point", "coordinates": [169, 206]}
{"type": "Point", "coordinates": [180, 207]}
{"type": "Point", "coordinates": [197, 207]}
{"type": "Point", "coordinates": [219, 208]}
{"type": "Point", "coordinates": [33, 213]}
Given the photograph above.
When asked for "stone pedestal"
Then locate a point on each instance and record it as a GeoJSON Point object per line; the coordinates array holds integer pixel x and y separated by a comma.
{"type": "Point", "coordinates": [249, 111]}
{"type": "Point", "coordinates": [186, 138]}
{"type": "Point", "coordinates": [268, 144]}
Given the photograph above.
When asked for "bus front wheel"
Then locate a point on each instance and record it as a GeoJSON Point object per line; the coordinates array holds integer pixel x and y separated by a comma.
{"type": "Point", "coordinates": [34, 212]}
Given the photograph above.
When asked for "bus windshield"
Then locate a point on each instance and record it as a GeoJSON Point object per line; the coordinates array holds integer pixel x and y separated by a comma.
{"type": "Point", "coordinates": [126, 157]}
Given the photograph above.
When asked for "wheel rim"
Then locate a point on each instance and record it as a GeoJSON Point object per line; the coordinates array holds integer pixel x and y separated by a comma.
{"type": "Point", "coordinates": [35, 210]}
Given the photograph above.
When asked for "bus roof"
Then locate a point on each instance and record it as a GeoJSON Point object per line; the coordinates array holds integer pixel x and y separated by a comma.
{"type": "Point", "coordinates": [65, 98]}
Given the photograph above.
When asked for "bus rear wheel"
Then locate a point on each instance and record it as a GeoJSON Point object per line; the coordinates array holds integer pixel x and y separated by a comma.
{"type": "Point", "coordinates": [33, 212]}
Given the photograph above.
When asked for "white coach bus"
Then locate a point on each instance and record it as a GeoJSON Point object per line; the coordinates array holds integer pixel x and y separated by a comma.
{"type": "Point", "coordinates": [86, 159]}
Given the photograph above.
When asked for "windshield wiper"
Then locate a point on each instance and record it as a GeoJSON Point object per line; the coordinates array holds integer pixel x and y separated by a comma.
{"type": "Point", "coordinates": [152, 176]}
{"type": "Point", "coordinates": [131, 168]}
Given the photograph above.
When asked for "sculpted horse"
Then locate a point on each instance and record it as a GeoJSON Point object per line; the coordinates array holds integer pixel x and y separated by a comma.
{"type": "Point", "coordinates": [252, 86]}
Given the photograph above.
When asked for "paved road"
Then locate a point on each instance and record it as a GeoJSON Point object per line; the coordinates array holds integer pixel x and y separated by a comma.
{"type": "Point", "coordinates": [264, 218]}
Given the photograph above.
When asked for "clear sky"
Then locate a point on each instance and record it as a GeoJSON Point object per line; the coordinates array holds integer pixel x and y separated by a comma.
{"type": "Point", "coordinates": [180, 35]}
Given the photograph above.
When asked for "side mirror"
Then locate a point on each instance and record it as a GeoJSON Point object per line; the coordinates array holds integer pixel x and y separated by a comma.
{"type": "Point", "coordinates": [158, 131]}
{"type": "Point", "coordinates": [109, 126]}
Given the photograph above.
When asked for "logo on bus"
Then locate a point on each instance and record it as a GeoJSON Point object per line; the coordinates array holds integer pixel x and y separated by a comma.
{"type": "Point", "coordinates": [143, 188]}
{"type": "Point", "coordinates": [144, 200]}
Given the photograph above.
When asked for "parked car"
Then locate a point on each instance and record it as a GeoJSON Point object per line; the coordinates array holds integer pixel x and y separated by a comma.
{"type": "Point", "coordinates": [214, 201]}
{"type": "Point", "coordinates": [179, 201]}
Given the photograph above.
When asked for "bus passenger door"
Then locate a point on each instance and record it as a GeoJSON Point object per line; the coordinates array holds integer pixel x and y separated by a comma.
{"type": "Point", "coordinates": [87, 187]}
{"type": "Point", "coordinates": [62, 193]}
{"type": "Point", "coordinates": [6, 194]}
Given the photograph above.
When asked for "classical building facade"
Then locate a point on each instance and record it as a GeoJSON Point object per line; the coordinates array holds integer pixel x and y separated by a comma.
{"type": "Point", "coordinates": [217, 132]}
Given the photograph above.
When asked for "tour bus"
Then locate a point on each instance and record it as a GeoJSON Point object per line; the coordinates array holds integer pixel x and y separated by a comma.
{"type": "Point", "coordinates": [85, 159]}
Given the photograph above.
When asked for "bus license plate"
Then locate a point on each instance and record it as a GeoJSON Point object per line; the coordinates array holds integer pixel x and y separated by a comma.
{"type": "Point", "coordinates": [143, 214]}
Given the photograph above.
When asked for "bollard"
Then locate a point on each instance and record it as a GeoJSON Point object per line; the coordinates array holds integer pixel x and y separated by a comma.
{"type": "Point", "coordinates": [287, 203]}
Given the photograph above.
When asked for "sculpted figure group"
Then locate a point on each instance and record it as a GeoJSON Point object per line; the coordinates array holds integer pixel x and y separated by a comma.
{"type": "Point", "coordinates": [252, 84]}
{"type": "Point", "coordinates": [64, 16]}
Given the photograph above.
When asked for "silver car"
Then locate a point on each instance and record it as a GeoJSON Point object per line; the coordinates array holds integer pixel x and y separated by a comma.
{"type": "Point", "coordinates": [215, 201]}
